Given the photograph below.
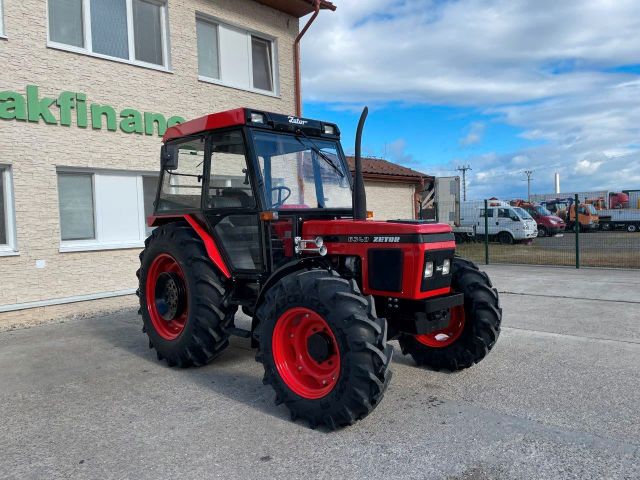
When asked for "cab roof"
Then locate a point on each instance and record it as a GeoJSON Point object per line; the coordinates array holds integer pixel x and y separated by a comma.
{"type": "Point", "coordinates": [254, 118]}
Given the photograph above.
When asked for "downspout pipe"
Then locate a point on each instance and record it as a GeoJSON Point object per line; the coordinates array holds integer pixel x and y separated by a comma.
{"type": "Point", "coordinates": [296, 59]}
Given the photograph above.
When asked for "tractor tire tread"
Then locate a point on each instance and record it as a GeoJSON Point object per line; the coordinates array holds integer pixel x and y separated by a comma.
{"type": "Point", "coordinates": [205, 335]}
{"type": "Point", "coordinates": [482, 323]}
{"type": "Point", "coordinates": [365, 355]}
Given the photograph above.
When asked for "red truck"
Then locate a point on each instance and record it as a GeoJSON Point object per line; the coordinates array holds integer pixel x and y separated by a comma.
{"type": "Point", "coordinates": [549, 225]}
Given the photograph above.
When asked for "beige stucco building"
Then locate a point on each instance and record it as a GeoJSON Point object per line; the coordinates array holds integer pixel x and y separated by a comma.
{"type": "Point", "coordinates": [393, 191]}
{"type": "Point", "coordinates": [86, 90]}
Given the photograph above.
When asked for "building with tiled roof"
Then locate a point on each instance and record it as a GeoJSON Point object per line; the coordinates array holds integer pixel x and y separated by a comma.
{"type": "Point", "coordinates": [393, 191]}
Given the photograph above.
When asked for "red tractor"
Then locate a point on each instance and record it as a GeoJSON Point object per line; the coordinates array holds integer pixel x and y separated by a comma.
{"type": "Point", "coordinates": [258, 211]}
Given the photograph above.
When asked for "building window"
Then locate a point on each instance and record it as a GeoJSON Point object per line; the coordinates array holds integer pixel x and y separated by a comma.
{"type": "Point", "coordinates": [149, 190]}
{"type": "Point", "coordinates": [234, 57]}
{"type": "Point", "coordinates": [76, 199]}
{"type": "Point", "coordinates": [104, 210]}
{"type": "Point", "coordinates": [130, 30]}
{"type": "Point", "coordinates": [1, 18]}
{"type": "Point", "coordinates": [7, 218]}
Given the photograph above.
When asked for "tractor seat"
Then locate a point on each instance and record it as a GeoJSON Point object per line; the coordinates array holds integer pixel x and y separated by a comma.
{"type": "Point", "coordinates": [232, 198]}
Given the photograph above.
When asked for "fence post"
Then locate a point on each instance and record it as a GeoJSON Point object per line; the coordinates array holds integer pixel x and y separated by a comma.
{"type": "Point", "coordinates": [576, 226]}
{"type": "Point", "coordinates": [486, 232]}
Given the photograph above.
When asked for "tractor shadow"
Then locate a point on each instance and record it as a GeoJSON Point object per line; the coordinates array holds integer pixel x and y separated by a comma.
{"type": "Point", "coordinates": [234, 374]}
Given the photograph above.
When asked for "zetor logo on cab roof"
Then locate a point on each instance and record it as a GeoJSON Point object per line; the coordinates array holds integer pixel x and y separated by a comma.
{"type": "Point", "coordinates": [297, 121]}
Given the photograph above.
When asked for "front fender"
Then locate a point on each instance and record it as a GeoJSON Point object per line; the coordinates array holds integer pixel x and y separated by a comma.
{"type": "Point", "coordinates": [288, 268]}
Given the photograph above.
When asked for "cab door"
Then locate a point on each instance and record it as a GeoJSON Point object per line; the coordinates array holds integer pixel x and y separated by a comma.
{"type": "Point", "coordinates": [231, 202]}
{"type": "Point", "coordinates": [480, 223]}
{"type": "Point", "coordinates": [508, 221]}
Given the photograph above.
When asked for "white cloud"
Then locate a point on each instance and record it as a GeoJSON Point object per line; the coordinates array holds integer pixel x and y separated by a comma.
{"type": "Point", "coordinates": [545, 67]}
{"type": "Point", "coordinates": [467, 52]}
{"type": "Point", "coordinates": [396, 151]}
{"type": "Point", "coordinates": [476, 130]}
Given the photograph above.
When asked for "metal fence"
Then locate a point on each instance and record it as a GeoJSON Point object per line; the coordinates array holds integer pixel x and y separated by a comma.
{"type": "Point", "coordinates": [576, 246]}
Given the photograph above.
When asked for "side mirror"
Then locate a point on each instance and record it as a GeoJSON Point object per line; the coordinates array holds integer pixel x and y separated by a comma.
{"type": "Point", "coordinates": [168, 157]}
{"type": "Point", "coordinates": [515, 218]}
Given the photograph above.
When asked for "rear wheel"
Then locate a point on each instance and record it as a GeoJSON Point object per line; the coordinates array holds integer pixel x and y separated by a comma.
{"type": "Point", "coordinates": [182, 298]}
{"type": "Point", "coordinates": [505, 238]}
{"type": "Point", "coordinates": [473, 327]}
{"type": "Point", "coordinates": [542, 231]}
{"type": "Point", "coordinates": [323, 349]}
{"type": "Point", "coordinates": [632, 228]}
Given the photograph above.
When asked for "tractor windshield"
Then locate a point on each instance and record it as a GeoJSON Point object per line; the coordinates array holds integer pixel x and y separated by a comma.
{"type": "Point", "coordinates": [300, 172]}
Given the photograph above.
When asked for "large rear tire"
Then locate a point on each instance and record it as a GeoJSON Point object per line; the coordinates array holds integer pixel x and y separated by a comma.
{"type": "Point", "coordinates": [473, 329]}
{"type": "Point", "coordinates": [182, 298]}
{"type": "Point", "coordinates": [323, 349]}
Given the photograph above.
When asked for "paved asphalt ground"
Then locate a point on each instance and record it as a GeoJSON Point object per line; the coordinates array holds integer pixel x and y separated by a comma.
{"type": "Point", "coordinates": [559, 397]}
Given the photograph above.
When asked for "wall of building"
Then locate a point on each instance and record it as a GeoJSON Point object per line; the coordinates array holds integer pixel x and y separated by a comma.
{"type": "Point", "coordinates": [35, 151]}
{"type": "Point", "coordinates": [390, 200]}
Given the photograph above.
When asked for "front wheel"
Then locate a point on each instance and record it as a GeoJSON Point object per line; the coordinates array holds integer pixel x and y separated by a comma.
{"type": "Point", "coordinates": [323, 349]}
{"type": "Point", "coordinates": [473, 327]}
{"type": "Point", "coordinates": [632, 228]}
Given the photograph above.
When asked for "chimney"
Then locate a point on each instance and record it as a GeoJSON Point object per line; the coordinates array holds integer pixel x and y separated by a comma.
{"type": "Point", "coordinates": [557, 183]}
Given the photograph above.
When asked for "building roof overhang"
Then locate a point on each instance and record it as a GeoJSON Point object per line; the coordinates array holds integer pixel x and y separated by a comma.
{"type": "Point", "coordinates": [297, 8]}
{"type": "Point", "coordinates": [382, 170]}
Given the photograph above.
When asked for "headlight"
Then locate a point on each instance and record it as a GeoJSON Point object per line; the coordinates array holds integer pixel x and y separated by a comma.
{"type": "Point", "coordinates": [257, 117]}
{"type": "Point", "coordinates": [446, 267]}
{"type": "Point", "coordinates": [428, 270]}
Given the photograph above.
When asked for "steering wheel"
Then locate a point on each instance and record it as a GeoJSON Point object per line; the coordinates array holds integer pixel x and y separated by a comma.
{"type": "Point", "coordinates": [282, 191]}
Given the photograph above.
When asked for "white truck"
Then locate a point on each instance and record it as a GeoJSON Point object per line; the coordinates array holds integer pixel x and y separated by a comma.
{"type": "Point", "coordinates": [506, 224]}
{"type": "Point", "coordinates": [620, 218]}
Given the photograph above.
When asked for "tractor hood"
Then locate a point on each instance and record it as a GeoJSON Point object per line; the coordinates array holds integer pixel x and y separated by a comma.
{"type": "Point", "coordinates": [370, 231]}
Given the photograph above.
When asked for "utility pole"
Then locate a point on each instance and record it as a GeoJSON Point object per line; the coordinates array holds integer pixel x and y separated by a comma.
{"type": "Point", "coordinates": [528, 173]}
{"type": "Point", "coordinates": [464, 169]}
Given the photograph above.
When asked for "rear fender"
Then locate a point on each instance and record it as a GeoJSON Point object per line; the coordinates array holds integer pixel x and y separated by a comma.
{"type": "Point", "coordinates": [209, 242]}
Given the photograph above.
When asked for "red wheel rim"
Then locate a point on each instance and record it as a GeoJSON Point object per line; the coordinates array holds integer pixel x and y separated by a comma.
{"type": "Point", "coordinates": [168, 328]}
{"type": "Point", "coordinates": [446, 336]}
{"type": "Point", "coordinates": [298, 336]}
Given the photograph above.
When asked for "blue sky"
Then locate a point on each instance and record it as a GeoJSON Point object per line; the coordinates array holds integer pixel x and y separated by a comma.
{"type": "Point", "coordinates": [502, 85]}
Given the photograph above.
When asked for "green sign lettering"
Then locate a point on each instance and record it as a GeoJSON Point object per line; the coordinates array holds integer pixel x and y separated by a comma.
{"type": "Point", "coordinates": [31, 107]}
{"type": "Point", "coordinates": [12, 106]}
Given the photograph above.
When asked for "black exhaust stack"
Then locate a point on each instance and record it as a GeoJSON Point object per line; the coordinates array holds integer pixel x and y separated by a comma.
{"type": "Point", "coordinates": [359, 195]}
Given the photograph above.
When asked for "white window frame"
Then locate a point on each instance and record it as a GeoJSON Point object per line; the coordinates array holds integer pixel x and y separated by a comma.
{"type": "Point", "coordinates": [2, 32]}
{"type": "Point", "coordinates": [11, 247]}
{"type": "Point", "coordinates": [88, 47]}
{"type": "Point", "coordinates": [95, 243]}
{"type": "Point", "coordinates": [273, 41]}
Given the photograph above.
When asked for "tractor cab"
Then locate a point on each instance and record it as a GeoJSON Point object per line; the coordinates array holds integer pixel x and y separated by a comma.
{"type": "Point", "coordinates": [258, 211]}
{"type": "Point", "coordinates": [253, 178]}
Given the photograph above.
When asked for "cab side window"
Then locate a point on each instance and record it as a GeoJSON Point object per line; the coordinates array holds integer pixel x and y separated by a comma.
{"type": "Point", "coordinates": [484, 214]}
{"type": "Point", "coordinates": [504, 213]}
{"type": "Point", "coordinates": [182, 186]}
{"type": "Point", "coordinates": [229, 182]}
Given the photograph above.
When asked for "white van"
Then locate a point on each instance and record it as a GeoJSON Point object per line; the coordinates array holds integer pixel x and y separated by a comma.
{"type": "Point", "coordinates": [507, 224]}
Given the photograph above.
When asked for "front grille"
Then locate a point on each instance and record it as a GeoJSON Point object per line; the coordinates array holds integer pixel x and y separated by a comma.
{"type": "Point", "coordinates": [438, 280]}
{"type": "Point", "coordinates": [385, 269]}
